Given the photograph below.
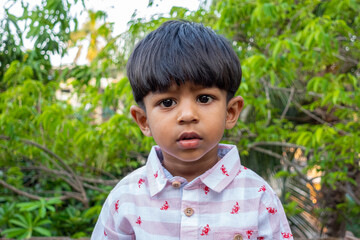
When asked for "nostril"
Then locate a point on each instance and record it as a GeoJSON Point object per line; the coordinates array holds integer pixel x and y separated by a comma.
{"type": "Point", "coordinates": [188, 120]}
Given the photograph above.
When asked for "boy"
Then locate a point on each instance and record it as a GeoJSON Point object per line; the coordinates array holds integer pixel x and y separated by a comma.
{"type": "Point", "coordinates": [184, 77]}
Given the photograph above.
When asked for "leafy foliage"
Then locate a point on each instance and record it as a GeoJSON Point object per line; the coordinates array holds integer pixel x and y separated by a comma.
{"type": "Point", "coordinates": [66, 137]}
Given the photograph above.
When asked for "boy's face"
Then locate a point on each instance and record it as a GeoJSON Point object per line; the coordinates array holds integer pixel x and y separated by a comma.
{"type": "Point", "coordinates": [187, 121]}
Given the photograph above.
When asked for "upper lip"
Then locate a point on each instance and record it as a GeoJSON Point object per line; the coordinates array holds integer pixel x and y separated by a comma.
{"type": "Point", "coordinates": [188, 135]}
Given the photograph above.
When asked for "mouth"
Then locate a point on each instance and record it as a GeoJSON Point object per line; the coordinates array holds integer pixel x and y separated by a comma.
{"type": "Point", "coordinates": [189, 136]}
{"type": "Point", "coordinates": [189, 140]}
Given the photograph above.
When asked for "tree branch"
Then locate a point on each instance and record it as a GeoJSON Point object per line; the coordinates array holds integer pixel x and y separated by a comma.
{"type": "Point", "coordinates": [347, 59]}
{"type": "Point", "coordinates": [93, 187]}
{"type": "Point", "coordinates": [288, 103]}
{"type": "Point", "coordinates": [348, 190]}
{"type": "Point", "coordinates": [67, 195]}
{"type": "Point", "coordinates": [267, 94]}
{"type": "Point", "coordinates": [281, 144]}
{"type": "Point", "coordinates": [66, 174]}
{"type": "Point", "coordinates": [77, 184]}
{"type": "Point", "coordinates": [310, 114]}
{"type": "Point", "coordinates": [287, 162]}
{"type": "Point", "coordinates": [18, 191]}
{"type": "Point", "coordinates": [313, 94]}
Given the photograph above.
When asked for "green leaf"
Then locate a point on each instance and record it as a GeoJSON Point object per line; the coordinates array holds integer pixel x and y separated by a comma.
{"type": "Point", "coordinates": [43, 222]}
{"type": "Point", "coordinates": [20, 223]}
{"type": "Point", "coordinates": [42, 231]}
{"type": "Point", "coordinates": [14, 232]}
{"type": "Point", "coordinates": [282, 174]}
{"type": "Point", "coordinates": [310, 40]}
{"type": "Point", "coordinates": [93, 211]}
{"type": "Point", "coordinates": [28, 206]}
{"type": "Point", "coordinates": [319, 134]}
{"type": "Point", "coordinates": [276, 49]}
{"type": "Point", "coordinates": [335, 96]}
{"type": "Point", "coordinates": [42, 209]}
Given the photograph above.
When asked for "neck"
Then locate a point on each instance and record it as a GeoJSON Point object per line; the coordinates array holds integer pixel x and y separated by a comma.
{"type": "Point", "coordinates": [190, 170]}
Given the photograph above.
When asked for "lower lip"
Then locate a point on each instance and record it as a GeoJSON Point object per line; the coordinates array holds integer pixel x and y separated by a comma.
{"type": "Point", "coordinates": [189, 144]}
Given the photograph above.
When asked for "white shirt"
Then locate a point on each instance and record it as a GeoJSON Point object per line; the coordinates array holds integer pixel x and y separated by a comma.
{"type": "Point", "coordinates": [228, 201]}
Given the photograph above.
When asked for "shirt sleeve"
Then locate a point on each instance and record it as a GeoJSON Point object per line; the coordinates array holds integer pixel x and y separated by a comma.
{"type": "Point", "coordinates": [106, 227]}
{"type": "Point", "coordinates": [273, 223]}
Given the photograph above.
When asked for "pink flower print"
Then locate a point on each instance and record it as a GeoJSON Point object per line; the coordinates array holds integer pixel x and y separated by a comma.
{"type": "Point", "coordinates": [286, 235]}
{"type": "Point", "coordinates": [245, 168]}
{"type": "Point", "coordinates": [156, 174]}
{"type": "Point", "coordinates": [235, 209]}
{"type": "Point", "coordinates": [117, 206]}
{"type": "Point", "coordinates": [238, 172]}
{"type": "Point", "coordinates": [165, 206]}
{"type": "Point", "coordinates": [205, 230]}
{"type": "Point", "coordinates": [223, 169]}
{"type": "Point", "coordinates": [260, 238]}
{"type": "Point", "coordinates": [105, 233]}
{"type": "Point", "coordinates": [206, 190]}
{"type": "Point", "coordinates": [141, 181]}
{"type": "Point", "coordinates": [262, 188]}
{"type": "Point", "coordinates": [249, 233]}
{"type": "Point", "coordinates": [138, 221]}
{"type": "Point", "coordinates": [271, 210]}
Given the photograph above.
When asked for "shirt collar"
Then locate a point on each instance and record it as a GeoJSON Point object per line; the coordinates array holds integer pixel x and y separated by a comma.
{"type": "Point", "coordinates": [154, 171]}
{"type": "Point", "coordinates": [217, 178]}
{"type": "Point", "coordinates": [223, 172]}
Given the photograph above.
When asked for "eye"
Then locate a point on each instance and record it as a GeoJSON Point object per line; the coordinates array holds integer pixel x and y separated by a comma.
{"type": "Point", "coordinates": [167, 103]}
{"type": "Point", "coordinates": [205, 99]}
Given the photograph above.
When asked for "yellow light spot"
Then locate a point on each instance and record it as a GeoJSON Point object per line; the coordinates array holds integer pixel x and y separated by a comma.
{"type": "Point", "coordinates": [298, 153]}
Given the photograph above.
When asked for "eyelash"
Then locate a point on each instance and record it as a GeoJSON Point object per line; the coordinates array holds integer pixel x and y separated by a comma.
{"type": "Point", "coordinates": [161, 103]}
{"type": "Point", "coordinates": [208, 97]}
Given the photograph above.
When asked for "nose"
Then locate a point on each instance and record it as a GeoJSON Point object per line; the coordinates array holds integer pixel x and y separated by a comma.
{"type": "Point", "coordinates": [187, 113]}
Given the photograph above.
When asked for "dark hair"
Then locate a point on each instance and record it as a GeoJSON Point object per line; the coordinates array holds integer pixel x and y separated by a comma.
{"type": "Point", "coordinates": [180, 51]}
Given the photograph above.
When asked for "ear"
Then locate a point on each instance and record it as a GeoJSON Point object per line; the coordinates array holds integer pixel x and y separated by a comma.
{"type": "Point", "coordinates": [140, 118]}
{"type": "Point", "coordinates": [234, 108]}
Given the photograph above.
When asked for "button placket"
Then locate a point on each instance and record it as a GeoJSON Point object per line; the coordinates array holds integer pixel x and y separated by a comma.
{"type": "Point", "coordinates": [190, 221]}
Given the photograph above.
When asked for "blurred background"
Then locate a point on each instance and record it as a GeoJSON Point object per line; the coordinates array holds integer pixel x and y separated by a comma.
{"type": "Point", "coordinates": [66, 135]}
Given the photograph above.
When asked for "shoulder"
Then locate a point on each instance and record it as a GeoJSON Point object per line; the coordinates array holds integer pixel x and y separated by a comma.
{"type": "Point", "coordinates": [255, 184]}
{"type": "Point", "coordinates": [249, 176]}
{"type": "Point", "coordinates": [128, 183]}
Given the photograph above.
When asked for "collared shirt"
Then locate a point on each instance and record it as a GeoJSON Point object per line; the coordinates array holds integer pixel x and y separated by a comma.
{"type": "Point", "coordinates": [228, 201]}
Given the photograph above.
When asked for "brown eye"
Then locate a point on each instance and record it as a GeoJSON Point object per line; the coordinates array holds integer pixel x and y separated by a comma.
{"type": "Point", "coordinates": [167, 103]}
{"type": "Point", "coordinates": [205, 99]}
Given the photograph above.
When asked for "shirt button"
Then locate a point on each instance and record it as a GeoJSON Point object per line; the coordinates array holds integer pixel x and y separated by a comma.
{"type": "Point", "coordinates": [176, 184]}
{"type": "Point", "coordinates": [189, 212]}
{"type": "Point", "coordinates": [238, 237]}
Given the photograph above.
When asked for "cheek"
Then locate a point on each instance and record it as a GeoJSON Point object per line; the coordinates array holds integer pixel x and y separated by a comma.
{"type": "Point", "coordinates": [218, 118]}
{"type": "Point", "coordinates": [159, 129]}
{"type": "Point", "coordinates": [216, 126]}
